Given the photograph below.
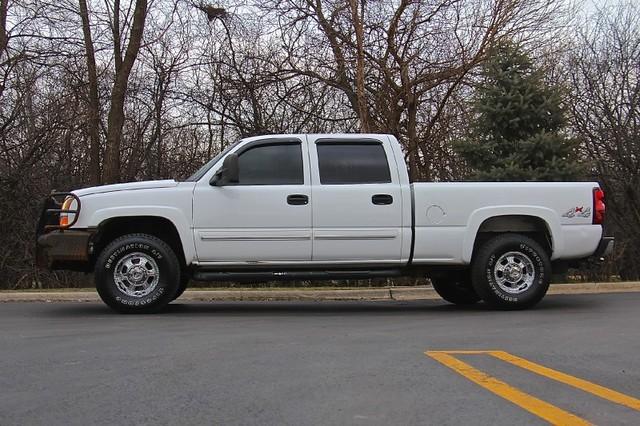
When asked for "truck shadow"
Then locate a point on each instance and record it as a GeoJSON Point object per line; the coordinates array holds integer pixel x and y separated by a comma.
{"type": "Point", "coordinates": [566, 304]}
{"type": "Point", "coordinates": [420, 307]}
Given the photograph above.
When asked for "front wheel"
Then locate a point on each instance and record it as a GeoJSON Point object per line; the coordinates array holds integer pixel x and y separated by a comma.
{"type": "Point", "coordinates": [511, 271]}
{"type": "Point", "coordinates": [184, 282]}
{"type": "Point", "coordinates": [137, 273]}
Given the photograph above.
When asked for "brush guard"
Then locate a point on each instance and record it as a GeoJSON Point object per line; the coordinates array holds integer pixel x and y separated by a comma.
{"type": "Point", "coordinates": [52, 210]}
{"type": "Point", "coordinates": [57, 248]}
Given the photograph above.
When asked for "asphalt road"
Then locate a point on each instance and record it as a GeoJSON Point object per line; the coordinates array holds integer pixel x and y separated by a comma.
{"type": "Point", "coordinates": [329, 363]}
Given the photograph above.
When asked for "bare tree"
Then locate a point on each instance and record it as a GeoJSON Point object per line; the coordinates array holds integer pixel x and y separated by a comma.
{"type": "Point", "coordinates": [93, 102]}
{"type": "Point", "coordinates": [162, 86]}
{"type": "Point", "coordinates": [123, 66]}
{"type": "Point", "coordinates": [605, 79]}
{"type": "Point", "coordinates": [357, 8]}
{"type": "Point", "coordinates": [4, 37]}
{"type": "Point", "coordinates": [394, 61]}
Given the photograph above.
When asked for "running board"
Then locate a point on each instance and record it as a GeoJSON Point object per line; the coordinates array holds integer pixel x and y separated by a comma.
{"type": "Point", "coordinates": [203, 275]}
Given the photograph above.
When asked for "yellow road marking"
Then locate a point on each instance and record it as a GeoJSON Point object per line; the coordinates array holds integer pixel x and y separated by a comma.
{"type": "Point", "coordinates": [538, 407]}
{"type": "Point", "coordinates": [584, 385]}
{"type": "Point", "coordinates": [463, 352]}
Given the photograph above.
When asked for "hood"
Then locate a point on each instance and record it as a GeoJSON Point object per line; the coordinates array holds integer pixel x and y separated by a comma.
{"type": "Point", "coordinates": [149, 184]}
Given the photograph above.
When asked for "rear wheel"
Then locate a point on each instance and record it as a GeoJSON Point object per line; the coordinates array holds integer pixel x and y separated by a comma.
{"type": "Point", "coordinates": [137, 273]}
{"type": "Point", "coordinates": [455, 288]}
{"type": "Point", "coordinates": [511, 271]}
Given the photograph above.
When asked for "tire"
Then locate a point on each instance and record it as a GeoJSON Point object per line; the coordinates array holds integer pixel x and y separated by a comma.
{"type": "Point", "coordinates": [184, 282]}
{"type": "Point", "coordinates": [125, 277]}
{"type": "Point", "coordinates": [511, 271]}
{"type": "Point", "coordinates": [455, 288]}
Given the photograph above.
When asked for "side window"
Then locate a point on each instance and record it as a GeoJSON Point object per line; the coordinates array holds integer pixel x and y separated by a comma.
{"type": "Point", "coordinates": [272, 164]}
{"type": "Point", "coordinates": [352, 163]}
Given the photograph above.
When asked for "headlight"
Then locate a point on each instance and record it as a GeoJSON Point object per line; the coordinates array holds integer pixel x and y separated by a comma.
{"type": "Point", "coordinates": [67, 218]}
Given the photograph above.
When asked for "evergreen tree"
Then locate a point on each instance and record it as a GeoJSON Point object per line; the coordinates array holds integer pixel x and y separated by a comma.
{"type": "Point", "coordinates": [517, 134]}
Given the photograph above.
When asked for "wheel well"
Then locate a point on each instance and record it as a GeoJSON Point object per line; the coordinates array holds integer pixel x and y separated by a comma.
{"type": "Point", "coordinates": [160, 227]}
{"type": "Point", "coordinates": [531, 226]}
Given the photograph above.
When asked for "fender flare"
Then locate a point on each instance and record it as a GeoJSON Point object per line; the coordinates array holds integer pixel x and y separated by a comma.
{"type": "Point", "coordinates": [172, 214]}
{"type": "Point", "coordinates": [479, 216]}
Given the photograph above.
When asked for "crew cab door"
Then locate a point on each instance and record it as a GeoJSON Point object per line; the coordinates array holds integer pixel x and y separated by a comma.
{"type": "Point", "coordinates": [265, 218]}
{"type": "Point", "coordinates": [357, 200]}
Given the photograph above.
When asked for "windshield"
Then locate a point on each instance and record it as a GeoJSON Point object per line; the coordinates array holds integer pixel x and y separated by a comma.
{"type": "Point", "coordinates": [204, 169]}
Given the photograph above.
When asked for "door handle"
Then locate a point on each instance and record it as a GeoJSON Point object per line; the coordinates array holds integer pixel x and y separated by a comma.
{"type": "Point", "coordinates": [382, 199]}
{"type": "Point", "coordinates": [297, 199]}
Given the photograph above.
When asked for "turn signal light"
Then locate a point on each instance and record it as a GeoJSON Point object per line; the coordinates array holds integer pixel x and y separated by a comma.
{"type": "Point", "coordinates": [64, 217]}
{"type": "Point", "coordinates": [598, 206]}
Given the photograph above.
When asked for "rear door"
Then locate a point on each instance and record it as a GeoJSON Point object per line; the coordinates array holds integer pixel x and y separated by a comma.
{"type": "Point", "coordinates": [357, 200]}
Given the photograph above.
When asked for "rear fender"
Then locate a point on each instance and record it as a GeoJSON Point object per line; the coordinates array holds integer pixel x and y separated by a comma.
{"type": "Point", "coordinates": [478, 216]}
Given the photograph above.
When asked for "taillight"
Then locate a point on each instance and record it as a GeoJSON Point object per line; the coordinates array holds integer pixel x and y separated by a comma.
{"type": "Point", "coordinates": [598, 206]}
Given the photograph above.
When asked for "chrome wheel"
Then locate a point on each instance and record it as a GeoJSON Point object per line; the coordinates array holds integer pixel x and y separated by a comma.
{"type": "Point", "coordinates": [514, 272]}
{"type": "Point", "coordinates": [136, 274]}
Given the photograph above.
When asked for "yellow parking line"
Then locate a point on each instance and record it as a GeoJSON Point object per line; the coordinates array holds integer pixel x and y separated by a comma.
{"type": "Point", "coordinates": [584, 385]}
{"type": "Point", "coordinates": [538, 407]}
{"type": "Point", "coordinates": [457, 352]}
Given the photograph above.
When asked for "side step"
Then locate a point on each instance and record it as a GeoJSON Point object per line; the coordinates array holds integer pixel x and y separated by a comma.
{"type": "Point", "coordinates": [204, 275]}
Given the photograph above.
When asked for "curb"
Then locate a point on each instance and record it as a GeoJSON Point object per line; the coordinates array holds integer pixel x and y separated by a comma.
{"type": "Point", "coordinates": [372, 294]}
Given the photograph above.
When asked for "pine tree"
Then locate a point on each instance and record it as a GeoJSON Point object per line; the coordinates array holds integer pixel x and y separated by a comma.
{"type": "Point", "coordinates": [517, 134]}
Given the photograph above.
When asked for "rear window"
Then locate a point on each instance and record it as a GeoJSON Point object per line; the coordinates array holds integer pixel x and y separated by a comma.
{"type": "Point", "coordinates": [352, 163]}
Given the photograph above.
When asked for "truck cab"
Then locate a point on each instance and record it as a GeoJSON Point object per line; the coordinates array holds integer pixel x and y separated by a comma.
{"type": "Point", "coordinates": [275, 201]}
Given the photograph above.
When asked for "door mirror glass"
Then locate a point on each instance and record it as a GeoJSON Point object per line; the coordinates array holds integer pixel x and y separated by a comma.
{"type": "Point", "coordinates": [228, 173]}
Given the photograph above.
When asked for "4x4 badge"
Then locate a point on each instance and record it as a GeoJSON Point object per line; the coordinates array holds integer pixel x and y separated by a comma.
{"type": "Point", "coordinates": [578, 212]}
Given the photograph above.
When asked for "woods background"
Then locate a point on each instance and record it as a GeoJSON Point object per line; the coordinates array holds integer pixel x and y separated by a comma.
{"type": "Point", "coordinates": [107, 91]}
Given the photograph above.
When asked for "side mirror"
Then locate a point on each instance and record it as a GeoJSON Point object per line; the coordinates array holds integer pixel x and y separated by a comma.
{"type": "Point", "coordinates": [228, 173]}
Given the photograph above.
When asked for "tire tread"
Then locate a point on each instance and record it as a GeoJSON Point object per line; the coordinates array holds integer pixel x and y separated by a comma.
{"type": "Point", "coordinates": [478, 266]}
{"type": "Point", "coordinates": [106, 296]}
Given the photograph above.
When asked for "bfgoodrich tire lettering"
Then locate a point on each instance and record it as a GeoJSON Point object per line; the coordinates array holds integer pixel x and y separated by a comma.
{"type": "Point", "coordinates": [162, 271]}
{"type": "Point", "coordinates": [511, 271]}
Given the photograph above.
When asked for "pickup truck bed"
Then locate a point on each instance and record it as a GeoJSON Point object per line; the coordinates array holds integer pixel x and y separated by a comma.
{"type": "Point", "coordinates": [453, 213]}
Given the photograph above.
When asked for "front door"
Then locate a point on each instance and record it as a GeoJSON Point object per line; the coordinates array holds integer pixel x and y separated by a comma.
{"type": "Point", "coordinates": [263, 219]}
{"type": "Point", "coordinates": [357, 201]}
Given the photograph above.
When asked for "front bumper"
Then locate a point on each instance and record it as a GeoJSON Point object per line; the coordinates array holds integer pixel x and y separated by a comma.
{"type": "Point", "coordinates": [70, 249]}
{"type": "Point", "coordinates": [57, 246]}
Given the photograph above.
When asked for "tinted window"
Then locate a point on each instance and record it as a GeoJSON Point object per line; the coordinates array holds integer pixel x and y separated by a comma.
{"type": "Point", "coordinates": [273, 164]}
{"type": "Point", "coordinates": [345, 163]}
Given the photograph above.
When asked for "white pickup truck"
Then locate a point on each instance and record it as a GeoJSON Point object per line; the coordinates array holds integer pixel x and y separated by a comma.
{"type": "Point", "coordinates": [304, 207]}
